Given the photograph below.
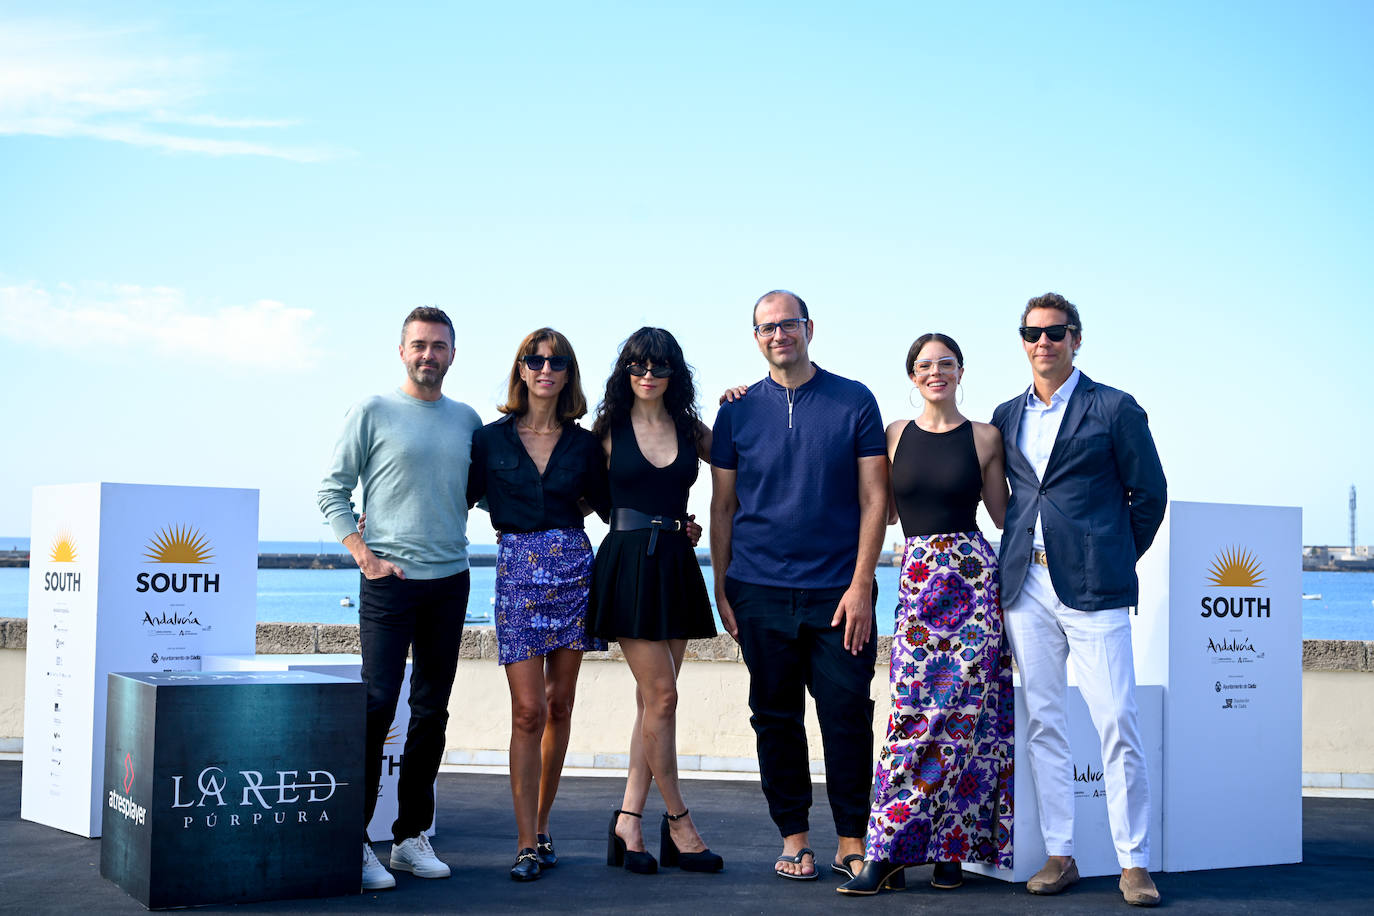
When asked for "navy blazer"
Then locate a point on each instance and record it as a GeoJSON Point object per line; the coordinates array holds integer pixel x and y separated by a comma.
{"type": "Point", "coordinates": [1100, 504]}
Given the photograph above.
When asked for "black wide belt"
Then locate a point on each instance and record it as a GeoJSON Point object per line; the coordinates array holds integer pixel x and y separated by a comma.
{"type": "Point", "coordinates": [634, 520]}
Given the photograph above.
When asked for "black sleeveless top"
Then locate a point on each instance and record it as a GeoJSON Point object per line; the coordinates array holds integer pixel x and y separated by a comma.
{"type": "Point", "coordinates": [637, 484]}
{"type": "Point", "coordinates": [937, 481]}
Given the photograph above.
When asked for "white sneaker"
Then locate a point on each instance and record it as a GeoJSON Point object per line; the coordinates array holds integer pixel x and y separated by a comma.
{"type": "Point", "coordinates": [416, 856]}
{"type": "Point", "coordinates": [375, 877]}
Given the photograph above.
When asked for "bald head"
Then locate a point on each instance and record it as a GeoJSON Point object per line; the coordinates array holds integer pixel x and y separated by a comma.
{"type": "Point", "coordinates": [780, 295]}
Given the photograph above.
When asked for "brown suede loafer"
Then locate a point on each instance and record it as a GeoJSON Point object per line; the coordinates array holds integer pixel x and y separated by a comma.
{"type": "Point", "coordinates": [1053, 878]}
{"type": "Point", "coordinates": [1138, 888]}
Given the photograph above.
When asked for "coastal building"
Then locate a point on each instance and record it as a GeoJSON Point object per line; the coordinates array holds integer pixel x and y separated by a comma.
{"type": "Point", "coordinates": [1328, 558]}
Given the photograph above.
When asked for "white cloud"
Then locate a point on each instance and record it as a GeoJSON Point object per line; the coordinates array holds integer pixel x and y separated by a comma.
{"type": "Point", "coordinates": [265, 333]}
{"type": "Point", "coordinates": [61, 80]}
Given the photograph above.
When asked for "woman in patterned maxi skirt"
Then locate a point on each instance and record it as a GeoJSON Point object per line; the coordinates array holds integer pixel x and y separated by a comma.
{"type": "Point", "coordinates": [943, 781]}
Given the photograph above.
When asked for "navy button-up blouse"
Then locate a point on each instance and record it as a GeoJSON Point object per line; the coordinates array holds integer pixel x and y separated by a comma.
{"type": "Point", "coordinates": [519, 498]}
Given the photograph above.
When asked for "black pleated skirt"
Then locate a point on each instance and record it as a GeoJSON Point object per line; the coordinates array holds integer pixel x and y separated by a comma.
{"type": "Point", "coordinates": [639, 596]}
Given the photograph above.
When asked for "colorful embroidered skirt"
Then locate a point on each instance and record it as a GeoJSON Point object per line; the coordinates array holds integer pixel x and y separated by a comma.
{"type": "Point", "coordinates": [943, 784]}
{"type": "Point", "coordinates": [542, 580]}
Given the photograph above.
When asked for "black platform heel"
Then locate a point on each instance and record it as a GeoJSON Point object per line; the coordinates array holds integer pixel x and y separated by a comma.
{"type": "Point", "coordinates": [706, 860]}
{"type": "Point", "coordinates": [947, 876]}
{"type": "Point", "coordinates": [875, 877]}
{"type": "Point", "coordinates": [637, 861]}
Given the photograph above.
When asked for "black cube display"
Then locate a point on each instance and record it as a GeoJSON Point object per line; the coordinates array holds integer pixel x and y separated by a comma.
{"type": "Point", "coordinates": [229, 787]}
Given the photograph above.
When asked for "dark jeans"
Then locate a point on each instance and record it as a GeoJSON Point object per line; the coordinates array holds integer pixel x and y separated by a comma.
{"type": "Point", "coordinates": [788, 644]}
{"type": "Point", "coordinates": [423, 617]}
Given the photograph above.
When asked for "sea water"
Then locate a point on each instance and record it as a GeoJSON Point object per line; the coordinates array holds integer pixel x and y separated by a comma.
{"type": "Point", "coordinates": [1345, 609]}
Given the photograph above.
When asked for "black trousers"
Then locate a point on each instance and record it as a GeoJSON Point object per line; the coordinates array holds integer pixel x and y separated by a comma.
{"type": "Point", "coordinates": [789, 646]}
{"type": "Point", "coordinates": [423, 617]}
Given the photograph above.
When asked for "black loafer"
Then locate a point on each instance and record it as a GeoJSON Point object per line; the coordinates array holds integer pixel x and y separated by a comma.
{"type": "Point", "coordinates": [526, 867]}
{"type": "Point", "coordinates": [543, 851]}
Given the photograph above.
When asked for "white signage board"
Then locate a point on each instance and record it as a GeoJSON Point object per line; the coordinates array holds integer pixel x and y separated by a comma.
{"type": "Point", "coordinates": [351, 667]}
{"type": "Point", "coordinates": [122, 577]}
{"type": "Point", "coordinates": [1092, 835]}
{"type": "Point", "coordinates": [1220, 626]}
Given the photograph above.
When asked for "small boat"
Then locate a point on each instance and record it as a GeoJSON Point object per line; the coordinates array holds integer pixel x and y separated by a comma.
{"type": "Point", "coordinates": [345, 601]}
{"type": "Point", "coordinates": [1316, 597]}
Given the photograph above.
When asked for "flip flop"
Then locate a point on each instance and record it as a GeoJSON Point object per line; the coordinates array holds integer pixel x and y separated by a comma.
{"type": "Point", "coordinates": [845, 869]}
{"type": "Point", "coordinates": [797, 860]}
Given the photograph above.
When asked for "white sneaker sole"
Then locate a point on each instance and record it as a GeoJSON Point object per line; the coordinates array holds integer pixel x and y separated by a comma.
{"type": "Point", "coordinates": [420, 871]}
{"type": "Point", "coordinates": [380, 884]}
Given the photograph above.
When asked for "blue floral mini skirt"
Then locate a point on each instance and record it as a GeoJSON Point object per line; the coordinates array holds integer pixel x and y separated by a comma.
{"type": "Point", "coordinates": [542, 582]}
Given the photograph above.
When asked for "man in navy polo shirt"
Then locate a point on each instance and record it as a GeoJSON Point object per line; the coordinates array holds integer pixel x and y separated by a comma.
{"type": "Point", "coordinates": [798, 513]}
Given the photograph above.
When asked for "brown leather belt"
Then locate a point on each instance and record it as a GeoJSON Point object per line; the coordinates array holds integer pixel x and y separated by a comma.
{"type": "Point", "coordinates": [634, 520]}
{"type": "Point", "coordinates": [1038, 557]}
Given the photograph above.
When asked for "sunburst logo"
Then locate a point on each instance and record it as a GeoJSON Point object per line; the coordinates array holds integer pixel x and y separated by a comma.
{"type": "Point", "coordinates": [1236, 567]}
{"type": "Point", "coordinates": [63, 549]}
{"type": "Point", "coordinates": [179, 544]}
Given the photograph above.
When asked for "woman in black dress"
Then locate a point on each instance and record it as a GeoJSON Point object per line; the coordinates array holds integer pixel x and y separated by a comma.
{"type": "Point", "coordinates": [648, 592]}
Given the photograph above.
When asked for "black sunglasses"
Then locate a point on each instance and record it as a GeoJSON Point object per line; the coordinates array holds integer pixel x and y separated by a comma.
{"type": "Point", "coordinates": [1054, 332]}
{"type": "Point", "coordinates": [534, 362]}
{"type": "Point", "coordinates": [639, 371]}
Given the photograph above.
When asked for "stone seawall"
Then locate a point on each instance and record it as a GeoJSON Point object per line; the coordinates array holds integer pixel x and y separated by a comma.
{"type": "Point", "coordinates": [480, 642]}
{"type": "Point", "coordinates": [713, 718]}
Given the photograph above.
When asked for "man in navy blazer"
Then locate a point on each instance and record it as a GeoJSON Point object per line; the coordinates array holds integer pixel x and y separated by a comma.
{"type": "Point", "coordinates": [1087, 496]}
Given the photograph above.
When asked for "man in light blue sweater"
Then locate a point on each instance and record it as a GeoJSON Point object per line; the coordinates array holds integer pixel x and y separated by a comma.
{"type": "Point", "coordinates": [410, 449]}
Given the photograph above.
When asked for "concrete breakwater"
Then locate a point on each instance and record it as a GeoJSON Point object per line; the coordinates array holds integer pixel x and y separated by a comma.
{"type": "Point", "coordinates": [20, 559]}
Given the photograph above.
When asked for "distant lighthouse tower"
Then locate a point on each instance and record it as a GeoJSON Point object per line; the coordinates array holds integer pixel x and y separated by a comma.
{"type": "Point", "coordinates": [1352, 519]}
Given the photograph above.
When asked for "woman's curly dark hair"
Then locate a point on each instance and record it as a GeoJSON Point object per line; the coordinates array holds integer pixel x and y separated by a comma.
{"type": "Point", "coordinates": [657, 346]}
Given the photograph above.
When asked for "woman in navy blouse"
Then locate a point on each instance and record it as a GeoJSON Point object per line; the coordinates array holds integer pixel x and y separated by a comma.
{"type": "Point", "coordinates": [539, 474]}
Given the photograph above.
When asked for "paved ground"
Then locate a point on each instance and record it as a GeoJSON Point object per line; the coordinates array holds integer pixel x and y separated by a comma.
{"type": "Point", "coordinates": [47, 871]}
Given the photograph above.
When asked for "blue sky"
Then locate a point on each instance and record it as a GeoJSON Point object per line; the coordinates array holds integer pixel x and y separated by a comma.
{"type": "Point", "coordinates": [216, 216]}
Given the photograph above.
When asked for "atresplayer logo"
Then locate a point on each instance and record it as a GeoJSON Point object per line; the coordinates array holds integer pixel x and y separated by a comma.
{"type": "Point", "coordinates": [63, 551]}
{"type": "Point", "coordinates": [271, 801]}
{"type": "Point", "coordinates": [179, 544]}
{"type": "Point", "coordinates": [123, 804]}
{"type": "Point", "coordinates": [1235, 567]}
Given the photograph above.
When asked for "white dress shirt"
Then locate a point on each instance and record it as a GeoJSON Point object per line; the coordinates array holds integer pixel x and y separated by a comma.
{"type": "Point", "coordinates": [1039, 428]}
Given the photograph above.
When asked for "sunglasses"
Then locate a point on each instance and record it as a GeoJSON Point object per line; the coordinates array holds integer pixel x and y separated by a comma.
{"type": "Point", "coordinates": [535, 363]}
{"type": "Point", "coordinates": [639, 371]}
{"type": "Point", "coordinates": [1054, 332]}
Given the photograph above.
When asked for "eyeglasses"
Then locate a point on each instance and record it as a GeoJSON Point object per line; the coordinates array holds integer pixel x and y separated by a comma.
{"type": "Point", "coordinates": [788, 325]}
{"type": "Point", "coordinates": [535, 363]}
{"type": "Point", "coordinates": [1054, 332]}
{"type": "Point", "coordinates": [639, 371]}
{"type": "Point", "coordinates": [946, 366]}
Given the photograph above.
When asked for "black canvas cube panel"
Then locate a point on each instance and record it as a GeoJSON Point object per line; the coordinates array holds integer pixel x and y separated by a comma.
{"type": "Point", "coordinates": [229, 787]}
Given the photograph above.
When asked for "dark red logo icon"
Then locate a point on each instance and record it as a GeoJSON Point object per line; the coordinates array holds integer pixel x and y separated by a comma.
{"type": "Point", "coordinates": [128, 772]}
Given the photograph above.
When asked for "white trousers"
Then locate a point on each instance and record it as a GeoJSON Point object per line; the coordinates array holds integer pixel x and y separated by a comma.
{"type": "Point", "coordinates": [1044, 634]}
